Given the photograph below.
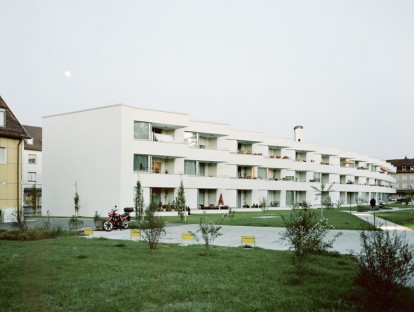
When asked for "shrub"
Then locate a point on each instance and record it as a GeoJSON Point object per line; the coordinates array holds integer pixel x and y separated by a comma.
{"type": "Point", "coordinates": [209, 230]}
{"type": "Point", "coordinates": [385, 264]}
{"type": "Point", "coordinates": [305, 234]}
{"type": "Point", "coordinates": [46, 222]}
{"type": "Point", "coordinates": [30, 235]}
{"type": "Point", "coordinates": [153, 227]}
{"type": "Point", "coordinates": [263, 204]}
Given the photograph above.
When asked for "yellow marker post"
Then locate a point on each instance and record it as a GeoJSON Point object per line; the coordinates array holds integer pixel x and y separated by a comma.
{"type": "Point", "coordinates": [248, 240]}
{"type": "Point", "coordinates": [187, 236]}
{"type": "Point", "coordinates": [88, 231]}
{"type": "Point", "coordinates": [136, 234]}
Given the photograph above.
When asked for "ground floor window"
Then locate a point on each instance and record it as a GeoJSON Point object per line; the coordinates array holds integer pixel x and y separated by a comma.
{"type": "Point", "coordinates": [141, 163]}
{"type": "Point", "coordinates": [290, 198]}
{"type": "Point", "coordinates": [190, 167]}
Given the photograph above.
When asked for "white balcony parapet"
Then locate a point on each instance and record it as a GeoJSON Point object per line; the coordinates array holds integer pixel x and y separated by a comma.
{"type": "Point", "coordinates": [163, 138]}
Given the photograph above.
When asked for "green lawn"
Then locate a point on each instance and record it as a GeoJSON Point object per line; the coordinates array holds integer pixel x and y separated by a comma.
{"type": "Point", "coordinates": [79, 274]}
{"type": "Point", "coordinates": [398, 205]}
{"type": "Point", "coordinates": [340, 219]}
{"type": "Point", "coordinates": [403, 217]}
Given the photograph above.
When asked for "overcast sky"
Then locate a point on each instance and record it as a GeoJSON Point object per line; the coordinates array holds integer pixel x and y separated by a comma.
{"type": "Point", "coordinates": [342, 69]}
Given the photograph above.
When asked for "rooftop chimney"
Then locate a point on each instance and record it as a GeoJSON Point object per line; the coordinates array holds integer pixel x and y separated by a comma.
{"type": "Point", "coordinates": [298, 133]}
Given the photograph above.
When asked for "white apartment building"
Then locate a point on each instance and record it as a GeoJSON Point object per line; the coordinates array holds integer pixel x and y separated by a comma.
{"type": "Point", "coordinates": [104, 151]}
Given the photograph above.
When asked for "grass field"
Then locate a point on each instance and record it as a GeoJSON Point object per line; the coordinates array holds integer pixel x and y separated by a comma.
{"type": "Point", "coordinates": [402, 217]}
{"type": "Point", "coordinates": [78, 274]}
{"type": "Point", "coordinates": [341, 220]}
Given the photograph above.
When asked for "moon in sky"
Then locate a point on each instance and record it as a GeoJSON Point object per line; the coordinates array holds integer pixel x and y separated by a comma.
{"type": "Point", "coordinates": [68, 74]}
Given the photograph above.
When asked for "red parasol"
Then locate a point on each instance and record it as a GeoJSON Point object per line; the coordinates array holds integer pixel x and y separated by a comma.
{"type": "Point", "coordinates": [221, 201]}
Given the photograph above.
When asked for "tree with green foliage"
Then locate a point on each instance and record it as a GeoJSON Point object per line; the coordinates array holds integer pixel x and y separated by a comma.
{"type": "Point", "coordinates": [263, 204]}
{"type": "Point", "coordinates": [139, 201]}
{"type": "Point", "coordinates": [180, 202]}
{"type": "Point", "coordinates": [385, 265]}
{"type": "Point", "coordinates": [76, 201]}
{"type": "Point", "coordinates": [323, 193]}
{"type": "Point", "coordinates": [34, 198]}
{"type": "Point", "coordinates": [306, 234]}
{"type": "Point", "coordinates": [210, 230]}
{"type": "Point", "coordinates": [153, 227]}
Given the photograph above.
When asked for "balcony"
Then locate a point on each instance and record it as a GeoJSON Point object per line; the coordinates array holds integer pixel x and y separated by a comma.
{"type": "Point", "coordinates": [170, 149]}
{"type": "Point", "coordinates": [248, 158]}
{"type": "Point", "coordinates": [212, 155]}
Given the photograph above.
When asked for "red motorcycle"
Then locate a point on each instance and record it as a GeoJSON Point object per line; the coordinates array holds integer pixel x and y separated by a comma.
{"type": "Point", "coordinates": [116, 220]}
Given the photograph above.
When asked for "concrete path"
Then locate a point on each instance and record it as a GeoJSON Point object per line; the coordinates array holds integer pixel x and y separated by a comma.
{"type": "Point", "coordinates": [266, 237]}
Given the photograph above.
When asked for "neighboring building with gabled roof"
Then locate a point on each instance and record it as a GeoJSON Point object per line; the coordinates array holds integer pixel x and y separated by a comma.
{"type": "Point", "coordinates": [12, 135]}
{"type": "Point", "coordinates": [404, 175]}
{"type": "Point", "coordinates": [32, 171]}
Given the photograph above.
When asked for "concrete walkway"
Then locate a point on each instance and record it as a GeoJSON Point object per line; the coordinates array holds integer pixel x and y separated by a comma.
{"type": "Point", "coordinates": [267, 237]}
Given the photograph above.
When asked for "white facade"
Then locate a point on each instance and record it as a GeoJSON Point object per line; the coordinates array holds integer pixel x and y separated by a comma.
{"type": "Point", "coordinates": [106, 150]}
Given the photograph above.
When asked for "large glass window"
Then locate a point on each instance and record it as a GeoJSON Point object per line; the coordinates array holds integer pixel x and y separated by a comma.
{"type": "Point", "coordinates": [3, 158]}
{"type": "Point", "coordinates": [190, 138]}
{"type": "Point", "coordinates": [262, 173]}
{"type": "Point", "coordinates": [141, 163]}
{"type": "Point", "coordinates": [316, 177]}
{"type": "Point", "coordinates": [190, 167]}
{"type": "Point", "coordinates": [2, 118]}
{"type": "Point", "coordinates": [290, 198]}
{"type": "Point", "coordinates": [141, 130]}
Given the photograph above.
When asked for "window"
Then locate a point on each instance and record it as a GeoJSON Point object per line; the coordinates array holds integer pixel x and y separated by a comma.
{"type": "Point", "coordinates": [141, 163]}
{"type": "Point", "coordinates": [190, 138]}
{"type": "Point", "coordinates": [3, 158]}
{"type": "Point", "coordinates": [316, 177]}
{"type": "Point", "coordinates": [141, 130]}
{"type": "Point", "coordinates": [404, 168]}
{"type": "Point", "coordinates": [32, 159]}
{"type": "Point", "coordinates": [290, 198]}
{"type": "Point", "coordinates": [31, 176]}
{"type": "Point", "coordinates": [411, 168]}
{"type": "Point", "coordinates": [156, 167]}
{"type": "Point", "coordinates": [2, 118]}
{"type": "Point", "coordinates": [262, 173]}
{"type": "Point", "coordinates": [190, 167]}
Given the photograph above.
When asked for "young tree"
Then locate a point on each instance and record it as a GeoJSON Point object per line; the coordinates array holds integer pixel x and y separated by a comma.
{"type": "Point", "coordinates": [210, 230]}
{"type": "Point", "coordinates": [76, 200]}
{"type": "Point", "coordinates": [384, 265]}
{"type": "Point", "coordinates": [322, 193]}
{"type": "Point", "coordinates": [34, 198]}
{"type": "Point", "coordinates": [153, 227]}
{"type": "Point", "coordinates": [180, 202]}
{"type": "Point", "coordinates": [139, 201]}
{"type": "Point", "coordinates": [306, 234]}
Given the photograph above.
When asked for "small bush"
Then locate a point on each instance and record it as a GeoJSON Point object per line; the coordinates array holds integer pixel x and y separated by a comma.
{"type": "Point", "coordinates": [209, 230]}
{"type": "Point", "coordinates": [385, 264]}
{"type": "Point", "coordinates": [153, 227]}
{"type": "Point", "coordinates": [31, 235]}
{"type": "Point", "coordinates": [305, 234]}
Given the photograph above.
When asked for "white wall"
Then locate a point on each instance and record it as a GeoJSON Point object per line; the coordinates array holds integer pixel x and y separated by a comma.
{"type": "Point", "coordinates": [84, 147]}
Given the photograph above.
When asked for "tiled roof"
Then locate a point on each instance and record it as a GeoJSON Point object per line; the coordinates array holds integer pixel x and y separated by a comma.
{"type": "Point", "coordinates": [36, 134]}
{"type": "Point", "coordinates": [399, 163]}
{"type": "Point", "coordinates": [13, 128]}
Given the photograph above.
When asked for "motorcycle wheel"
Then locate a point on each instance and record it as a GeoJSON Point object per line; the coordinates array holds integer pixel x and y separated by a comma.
{"type": "Point", "coordinates": [125, 224]}
{"type": "Point", "coordinates": [107, 226]}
